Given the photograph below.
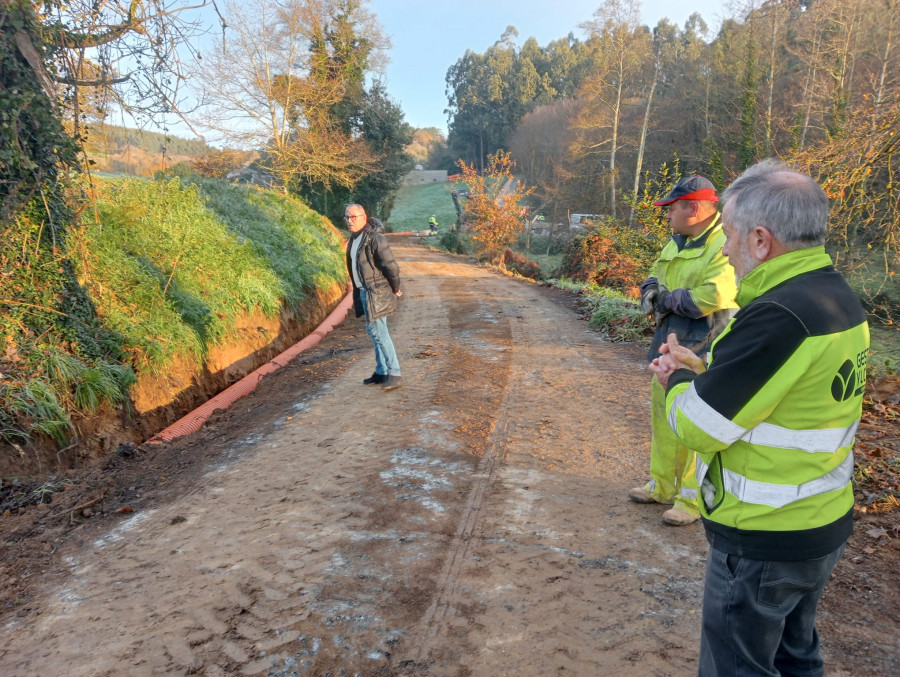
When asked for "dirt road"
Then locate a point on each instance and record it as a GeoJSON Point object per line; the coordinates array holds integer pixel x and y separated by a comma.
{"type": "Point", "coordinates": [472, 522]}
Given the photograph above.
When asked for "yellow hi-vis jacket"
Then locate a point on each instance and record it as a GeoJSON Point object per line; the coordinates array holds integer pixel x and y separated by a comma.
{"type": "Point", "coordinates": [773, 419]}
{"type": "Point", "coordinates": [702, 286]}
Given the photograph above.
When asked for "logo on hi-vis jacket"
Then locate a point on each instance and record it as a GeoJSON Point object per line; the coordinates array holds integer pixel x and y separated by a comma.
{"type": "Point", "coordinates": [850, 381]}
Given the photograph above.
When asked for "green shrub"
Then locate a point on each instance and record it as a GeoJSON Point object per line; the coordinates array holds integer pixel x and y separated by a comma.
{"type": "Point", "coordinates": [884, 355]}
{"type": "Point", "coordinates": [544, 245]}
{"type": "Point", "coordinates": [549, 264]}
{"type": "Point", "coordinates": [102, 383]}
{"type": "Point", "coordinates": [616, 316]}
{"type": "Point", "coordinates": [49, 331]}
{"type": "Point", "coordinates": [85, 386]}
{"type": "Point", "coordinates": [455, 241]}
{"type": "Point", "coordinates": [618, 319]}
{"type": "Point", "coordinates": [32, 408]}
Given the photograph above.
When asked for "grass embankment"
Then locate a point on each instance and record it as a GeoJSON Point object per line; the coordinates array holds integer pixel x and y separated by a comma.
{"type": "Point", "coordinates": [415, 204]}
{"type": "Point", "coordinates": [173, 268]}
{"type": "Point", "coordinates": [173, 265]}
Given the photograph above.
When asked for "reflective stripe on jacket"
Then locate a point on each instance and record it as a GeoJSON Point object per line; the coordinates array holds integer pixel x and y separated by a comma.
{"type": "Point", "coordinates": [774, 417]}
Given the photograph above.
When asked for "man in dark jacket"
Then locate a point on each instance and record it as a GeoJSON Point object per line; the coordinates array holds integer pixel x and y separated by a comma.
{"type": "Point", "coordinates": [376, 288]}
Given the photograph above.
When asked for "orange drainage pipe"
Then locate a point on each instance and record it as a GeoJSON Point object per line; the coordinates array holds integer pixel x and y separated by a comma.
{"type": "Point", "coordinates": [194, 421]}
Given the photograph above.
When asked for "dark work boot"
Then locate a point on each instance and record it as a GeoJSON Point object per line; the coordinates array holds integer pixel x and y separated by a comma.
{"type": "Point", "coordinates": [390, 382]}
{"type": "Point", "coordinates": [374, 379]}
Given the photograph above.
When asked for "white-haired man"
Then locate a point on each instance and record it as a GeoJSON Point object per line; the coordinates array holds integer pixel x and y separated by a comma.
{"type": "Point", "coordinates": [773, 421]}
{"type": "Point", "coordinates": [376, 288]}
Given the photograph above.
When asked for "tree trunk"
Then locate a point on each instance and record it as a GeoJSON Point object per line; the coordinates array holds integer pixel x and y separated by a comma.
{"type": "Point", "coordinates": [550, 235]}
{"type": "Point", "coordinates": [879, 94]}
{"type": "Point", "coordinates": [771, 95]}
{"type": "Point", "coordinates": [640, 155]}
{"type": "Point", "coordinates": [614, 143]}
{"type": "Point", "coordinates": [808, 91]}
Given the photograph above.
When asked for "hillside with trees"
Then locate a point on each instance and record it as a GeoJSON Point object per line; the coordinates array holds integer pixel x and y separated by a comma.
{"type": "Point", "coordinates": [137, 152]}
{"type": "Point", "coordinates": [592, 122]}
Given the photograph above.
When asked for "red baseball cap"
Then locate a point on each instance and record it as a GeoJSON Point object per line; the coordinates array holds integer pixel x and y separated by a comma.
{"type": "Point", "coordinates": [691, 188]}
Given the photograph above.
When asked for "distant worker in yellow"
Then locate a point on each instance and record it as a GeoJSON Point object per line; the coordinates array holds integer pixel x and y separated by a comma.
{"type": "Point", "coordinates": [433, 224]}
{"type": "Point", "coordinates": [690, 292]}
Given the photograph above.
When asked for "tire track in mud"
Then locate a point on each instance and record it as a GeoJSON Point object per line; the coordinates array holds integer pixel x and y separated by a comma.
{"type": "Point", "coordinates": [442, 610]}
{"type": "Point", "coordinates": [530, 586]}
{"type": "Point", "coordinates": [459, 548]}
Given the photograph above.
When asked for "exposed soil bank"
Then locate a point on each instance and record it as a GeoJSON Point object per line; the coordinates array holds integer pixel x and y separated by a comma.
{"type": "Point", "coordinates": [159, 400]}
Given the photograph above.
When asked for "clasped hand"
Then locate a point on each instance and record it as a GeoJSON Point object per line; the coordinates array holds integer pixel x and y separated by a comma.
{"type": "Point", "coordinates": [674, 356]}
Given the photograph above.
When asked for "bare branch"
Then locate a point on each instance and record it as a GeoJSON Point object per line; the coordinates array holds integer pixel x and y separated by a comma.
{"type": "Point", "coordinates": [105, 82]}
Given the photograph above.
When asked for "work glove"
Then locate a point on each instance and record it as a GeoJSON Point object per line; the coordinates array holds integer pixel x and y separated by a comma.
{"type": "Point", "coordinates": [661, 306]}
{"type": "Point", "coordinates": [648, 298]}
{"type": "Point", "coordinates": [661, 302]}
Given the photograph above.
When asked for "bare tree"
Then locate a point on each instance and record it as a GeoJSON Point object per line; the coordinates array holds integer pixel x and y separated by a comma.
{"type": "Point", "coordinates": [671, 49]}
{"type": "Point", "coordinates": [130, 53]}
{"type": "Point", "coordinates": [540, 140]}
{"type": "Point", "coordinates": [887, 77]}
{"type": "Point", "coordinates": [278, 75]}
{"type": "Point", "coordinates": [617, 26]}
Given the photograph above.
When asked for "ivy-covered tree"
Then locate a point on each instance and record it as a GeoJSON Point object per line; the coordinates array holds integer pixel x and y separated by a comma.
{"type": "Point", "coordinates": [52, 345]}
{"type": "Point", "coordinates": [34, 145]}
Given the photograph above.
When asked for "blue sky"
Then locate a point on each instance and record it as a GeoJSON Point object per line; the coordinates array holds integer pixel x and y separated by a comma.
{"type": "Point", "coordinates": [428, 38]}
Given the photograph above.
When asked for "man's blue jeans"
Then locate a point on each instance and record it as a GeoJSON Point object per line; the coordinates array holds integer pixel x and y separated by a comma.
{"type": "Point", "coordinates": [386, 362]}
{"type": "Point", "coordinates": [759, 617]}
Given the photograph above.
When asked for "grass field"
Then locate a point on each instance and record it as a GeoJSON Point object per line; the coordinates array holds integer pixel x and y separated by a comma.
{"type": "Point", "coordinates": [415, 204]}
